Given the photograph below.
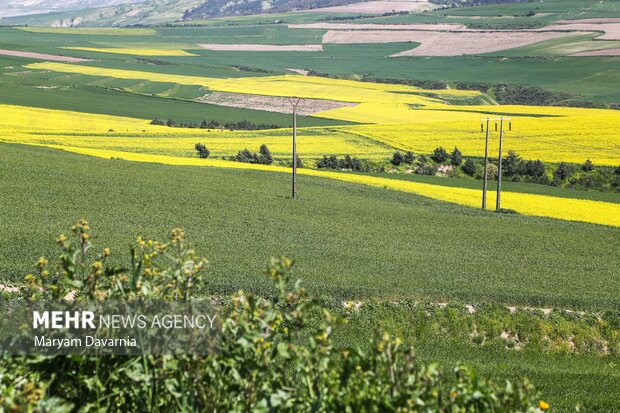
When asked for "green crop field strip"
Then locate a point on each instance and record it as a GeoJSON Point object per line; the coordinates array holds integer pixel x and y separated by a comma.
{"type": "Point", "coordinates": [240, 219]}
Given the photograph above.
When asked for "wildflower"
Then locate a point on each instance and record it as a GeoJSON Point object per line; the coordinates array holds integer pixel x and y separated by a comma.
{"type": "Point", "coordinates": [543, 405]}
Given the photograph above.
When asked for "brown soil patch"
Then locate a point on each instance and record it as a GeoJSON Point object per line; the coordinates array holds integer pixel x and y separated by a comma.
{"type": "Point", "coordinates": [376, 7]}
{"type": "Point", "coordinates": [376, 26]}
{"type": "Point", "coordinates": [42, 56]}
{"type": "Point", "coordinates": [299, 71]}
{"type": "Point", "coordinates": [608, 52]}
{"type": "Point", "coordinates": [271, 103]}
{"type": "Point", "coordinates": [263, 47]}
{"type": "Point", "coordinates": [443, 43]}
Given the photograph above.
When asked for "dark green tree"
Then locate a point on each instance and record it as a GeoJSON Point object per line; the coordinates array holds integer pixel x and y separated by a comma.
{"type": "Point", "coordinates": [469, 167]}
{"type": "Point", "coordinates": [439, 155]}
{"type": "Point", "coordinates": [456, 157]}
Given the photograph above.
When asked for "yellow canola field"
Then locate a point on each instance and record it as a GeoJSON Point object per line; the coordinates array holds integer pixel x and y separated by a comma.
{"type": "Point", "coordinates": [553, 139]}
{"type": "Point", "coordinates": [133, 51]}
{"type": "Point", "coordinates": [399, 117]}
{"type": "Point", "coordinates": [569, 209]}
{"type": "Point", "coordinates": [56, 127]}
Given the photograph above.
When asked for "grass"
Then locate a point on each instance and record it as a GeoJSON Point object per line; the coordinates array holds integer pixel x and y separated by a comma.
{"type": "Point", "coordinates": [343, 235]}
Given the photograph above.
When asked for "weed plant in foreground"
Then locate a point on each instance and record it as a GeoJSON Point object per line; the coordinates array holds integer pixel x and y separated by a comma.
{"type": "Point", "coordinates": [270, 358]}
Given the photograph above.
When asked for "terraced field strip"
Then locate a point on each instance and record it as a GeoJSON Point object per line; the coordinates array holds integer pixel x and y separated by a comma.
{"type": "Point", "coordinates": [596, 212]}
{"type": "Point", "coordinates": [91, 32]}
{"type": "Point", "coordinates": [133, 51]}
{"type": "Point", "coordinates": [42, 56]}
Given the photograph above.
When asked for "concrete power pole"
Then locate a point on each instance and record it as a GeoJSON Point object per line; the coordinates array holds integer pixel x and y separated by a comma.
{"type": "Point", "coordinates": [294, 101]}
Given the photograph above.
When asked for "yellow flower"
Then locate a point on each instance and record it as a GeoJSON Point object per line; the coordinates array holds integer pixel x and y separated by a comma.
{"type": "Point", "coordinates": [543, 405]}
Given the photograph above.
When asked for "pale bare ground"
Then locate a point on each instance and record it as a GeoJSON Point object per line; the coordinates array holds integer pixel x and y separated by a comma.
{"type": "Point", "coordinates": [299, 71]}
{"type": "Point", "coordinates": [596, 21]}
{"type": "Point", "coordinates": [376, 26]}
{"type": "Point", "coordinates": [376, 7]}
{"type": "Point", "coordinates": [271, 103]}
{"type": "Point", "coordinates": [42, 56]}
{"type": "Point", "coordinates": [608, 52]}
{"type": "Point", "coordinates": [612, 30]}
{"type": "Point", "coordinates": [443, 43]}
{"type": "Point", "coordinates": [263, 47]}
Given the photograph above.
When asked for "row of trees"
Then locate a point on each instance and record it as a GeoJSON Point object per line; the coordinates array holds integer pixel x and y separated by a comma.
{"type": "Point", "coordinates": [440, 155]}
{"type": "Point", "coordinates": [213, 124]}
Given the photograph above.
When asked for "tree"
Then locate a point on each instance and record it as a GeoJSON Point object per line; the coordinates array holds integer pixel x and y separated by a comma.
{"type": "Point", "coordinates": [265, 155]}
{"type": "Point", "coordinates": [456, 157]}
{"type": "Point", "coordinates": [203, 151]}
{"type": "Point", "coordinates": [439, 155]}
{"type": "Point", "coordinates": [512, 164]}
{"type": "Point", "coordinates": [469, 167]}
{"type": "Point", "coordinates": [588, 166]}
{"type": "Point", "coordinates": [397, 159]}
{"type": "Point", "coordinates": [409, 158]}
{"type": "Point", "coordinates": [422, 159]}
{"type": "Point", "coordinates": [171, 123]}
{"type": "Point", "coordinates": [617, 170]}
{"type": "Point", "coordinates": [204, 124]}
{"type": "Point", "coordinates": [535, 168]}
{"type": "Point", "coordinates": [563, 172]}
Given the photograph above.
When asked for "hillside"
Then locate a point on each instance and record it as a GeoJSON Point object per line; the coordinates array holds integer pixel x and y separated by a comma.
{"type": "Point", "coordinates": [216, 8]}
{"type": "Point", "coordinates": [18, 7]}
{"type": "Point", "coordinates": [96, 13]}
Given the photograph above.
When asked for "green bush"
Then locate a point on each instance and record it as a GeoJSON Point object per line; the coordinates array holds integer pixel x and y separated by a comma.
{"type": "Point", "coordinates": [274, 355]}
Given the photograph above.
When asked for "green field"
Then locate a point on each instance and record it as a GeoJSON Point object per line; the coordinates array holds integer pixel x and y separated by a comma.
{"type": "Point", "coordinates": [342, 235]}
{"type": "Point", "coordinates": [545, 65]}
{"type": "Point", "coordinates": [411, 263]}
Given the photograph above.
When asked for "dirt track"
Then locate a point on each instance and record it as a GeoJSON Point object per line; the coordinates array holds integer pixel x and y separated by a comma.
{"type": "Point", "coordinates": [42, 56]}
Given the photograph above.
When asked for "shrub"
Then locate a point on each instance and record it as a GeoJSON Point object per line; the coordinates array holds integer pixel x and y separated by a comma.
{"type": "Point", "coordinates": [203, 151]}
{"type": "Point", "coordinates": [563, 172]}
{"type": "Point", "coordinates": [439, 155]}
{"type": "Point", "coordinates": [456, 157]}
{"type": "Point", "coordinates": [512, 164]}
{"type": "Point", "coordinates": [273, 356]}
{"type": "Point", "coordinates": [588, 166]}
{"type": "Point", "coordinates": [469, 167]}
{"type": "Point", "coordinates": [409, 158]}
{"type": "Point", "coordinates": [617, 170]}
{"type": "Point", "coordinates": [397, 159]}
{"type": "Point", "coordinates": [265, 155]}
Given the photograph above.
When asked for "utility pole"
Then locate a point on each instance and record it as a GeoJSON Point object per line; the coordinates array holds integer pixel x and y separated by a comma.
{"type": "Point", "coordinates": [499, 169]}
{"type": "Point", "coordinates": [486, 164]}
{"type": "Point", "coordinates": [294, 101]}
{"type": "Point", "coordinates": [486, 158]}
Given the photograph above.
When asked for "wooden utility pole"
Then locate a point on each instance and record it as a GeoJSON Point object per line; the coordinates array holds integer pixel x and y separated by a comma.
{"type": "Point", "coordinates": [499, 168]}
{"type": "Point", "coordinates": [294, 102]}
{"type": "Point", "coordinates": [486, 165]}
{"type": "Point", "coordinates": [486, 158]}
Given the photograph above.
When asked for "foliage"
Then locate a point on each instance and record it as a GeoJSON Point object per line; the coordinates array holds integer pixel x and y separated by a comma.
{"type": "Point", "coordinates": [469, 167]}
{"type": "Point", "coordinates": [587, 166]}
{"type": "Point", "coordinates": [214, 124]}
{"type": "Point", "coordinates": [273, 355]}
{"type": "Point", "coordinates": [439, 155]}
{"type": "Point", "coordinates": [456, 157]}
{"type": "Point", "coordinates": [263, 157]}
{"type": "Point", "coordinates": [203, 151]}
